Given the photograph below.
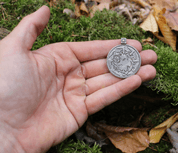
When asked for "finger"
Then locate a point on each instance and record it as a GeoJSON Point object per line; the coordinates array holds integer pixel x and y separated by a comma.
{"type": "Point", "coordinates": [91, 50]}
{"type": "Point", "coordinates": [148, 57]}
{"type": "Point", "coordinates": [146, 72]}
{"type": "Point", "coordinates": [105, 96]}
{"type": "Point", "coordinates": [99, 82]}
{"type": "Point", "coordinates": [95, 68]}
{"type": "Point", "coordinates": [98, 67]}
{"type": "Point", "coordinates": [30, 27]}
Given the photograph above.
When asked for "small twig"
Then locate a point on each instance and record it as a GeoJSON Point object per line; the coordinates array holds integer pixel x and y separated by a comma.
{"type": "Point", "coordinates": [142, 3]}
{"type": "Point", "coordinates": [47, 28]}
{"type": "Point", "coordinates": [78, 36]}
{"type": "Point", "coordinates": [14, 1]}
{"type": "Point", "coordinates": [153, 149]}
{"type": "Point", "coordinates": [1, 3]}
{"type": "Point", "coordinates": [166, 140]}
{"type": "Point", "coordinates": [126, 11]}
{"type": "Point", "coordinates": [150, 45]}
{"type": "Point", "coordinates": [3, 11]}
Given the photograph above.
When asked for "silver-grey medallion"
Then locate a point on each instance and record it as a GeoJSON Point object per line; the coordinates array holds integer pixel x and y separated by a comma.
{"type": "Point", "coordinates": [123, 60]}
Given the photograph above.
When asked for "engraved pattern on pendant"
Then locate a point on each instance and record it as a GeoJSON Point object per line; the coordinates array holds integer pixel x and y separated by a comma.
{"type": "Point", "coordinates": [123, 61]}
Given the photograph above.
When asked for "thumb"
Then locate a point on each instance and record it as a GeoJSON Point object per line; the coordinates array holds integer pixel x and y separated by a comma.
{"type": "Point", "coordinates": [30, 27]}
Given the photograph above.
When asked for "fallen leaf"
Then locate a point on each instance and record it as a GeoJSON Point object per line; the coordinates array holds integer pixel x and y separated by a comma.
{"type": "Point", "coordinates": [81, 9]}
{"type": "Point", "coordinates": [172, 20]}
{"type": "Point", "coordinates": [103, 1]}
{"type": "Point", "coordinates": [93, 9]}
{"type": "Point", "coordinates": [161, 38]}
{"type": "Point", "coordinates": [157, 132]}
{"type": "Point", "coordinates": [166, 31]}
{"type": "Point", "coordinates": [167, 4]}
{"type": "Point", "coordinates": [149, 40]}
{"type": "Point", "coordinates": [77, 10]}
{"type": "Point", "coordinates": [52, 3]}
{"type": "Point", "coordinates": [113, 4]}
{"type": "Point", "coordinates": [150, 24]}
{"type": "Point", "coordinates": [103, 6]}
{"type": "Point", "coordinates": [73, 1]}
{"type": "Point", "coordinates": [142, 3]}
{"type": "Point", "coordinates": [127, 139]}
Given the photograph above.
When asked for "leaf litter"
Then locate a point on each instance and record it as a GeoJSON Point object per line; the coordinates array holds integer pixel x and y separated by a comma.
{"type": "Point", "coordinates": [135, 10]}
{"type": "Point", "coordinates": [127, 139]}
{"type": "Point", "coordinates": [152, 15]}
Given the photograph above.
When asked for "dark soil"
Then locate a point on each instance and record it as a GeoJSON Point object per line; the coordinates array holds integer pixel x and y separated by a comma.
{"type": "Point", "coordinates": [142, 108]}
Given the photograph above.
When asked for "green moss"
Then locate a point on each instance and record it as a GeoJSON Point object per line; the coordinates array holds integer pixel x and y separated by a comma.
{"type": "Point", "coordinates": [166, 66]}
{"type": "Point", "coordinates": [74, 147]}
{"type": "Point", "coordinates": [167, 76]}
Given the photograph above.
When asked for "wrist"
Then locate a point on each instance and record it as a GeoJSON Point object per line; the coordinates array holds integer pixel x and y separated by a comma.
{"type": "Point", "coordinates": [8, 141]}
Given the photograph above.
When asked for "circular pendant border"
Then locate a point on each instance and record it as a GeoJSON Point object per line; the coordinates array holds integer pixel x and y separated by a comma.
{"type": "Point", "coordinates": [113, 49]}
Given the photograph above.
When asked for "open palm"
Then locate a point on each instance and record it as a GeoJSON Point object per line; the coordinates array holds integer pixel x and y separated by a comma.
{"type": "Point", "coordinates": [47, 94]}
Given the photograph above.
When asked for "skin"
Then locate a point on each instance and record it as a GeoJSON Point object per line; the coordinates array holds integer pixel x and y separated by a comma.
{"type": "Point", "coordinates": [47, 94]}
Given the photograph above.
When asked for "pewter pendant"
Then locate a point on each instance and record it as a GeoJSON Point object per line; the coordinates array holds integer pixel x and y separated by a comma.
{"type": "Point", "coordinates": [123, 60]}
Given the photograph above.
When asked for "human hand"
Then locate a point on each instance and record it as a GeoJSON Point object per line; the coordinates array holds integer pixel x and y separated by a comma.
{"type": "Point", "coordinates": [47, 94]}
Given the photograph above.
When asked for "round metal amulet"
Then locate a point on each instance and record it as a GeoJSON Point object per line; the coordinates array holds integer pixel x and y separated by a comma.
{"type": "Point", "coordinates": [123, 60]}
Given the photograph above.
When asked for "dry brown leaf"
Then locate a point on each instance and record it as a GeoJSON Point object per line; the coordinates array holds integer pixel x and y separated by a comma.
{"type": "Point", "coordinates": [149, 40]}
{"type": "Point", "coordinates": [93, 9]}
{"type": "Point", "coordinates": [172, 20]}
{"type": "Point", "coordinates": [73, 1]}
{"type": "Point", "coordinates": [166, 31]}
{"type": "Point", "coordinates": [81, 9]}
{"type": "Point", "coordinates": [103, 1]}
{"type": "Point", "coordinates": [168, 4]}
{"type": "Point", "coordinates": [103, 6]}
{"type": "Point", "coordinates": [150, 24]}
{"type": "Point", "coordinates": [161, 38]}
{"type": "Point", "coordinates": [52, 3]}
{"type": "Point", "coordinates": [113, 4]}
{"type": "Point", "coordinates": [127, 139]}
{"type": "Point", "coordinates": [142, 3]}
{"type": "Point", "coordinates": [130, 142]}
{"type": "Point", "coordinates": [77, 10]}
{"type": "Point", "coordinates": [157, 132]}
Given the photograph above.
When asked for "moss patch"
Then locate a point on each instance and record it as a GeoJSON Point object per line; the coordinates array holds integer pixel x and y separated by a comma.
{"type": "Point", "coordinates": [74, 147]}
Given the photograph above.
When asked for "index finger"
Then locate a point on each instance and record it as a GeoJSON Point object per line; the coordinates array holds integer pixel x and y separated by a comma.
{"type": "Point", "coordinates": [91, 50]}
